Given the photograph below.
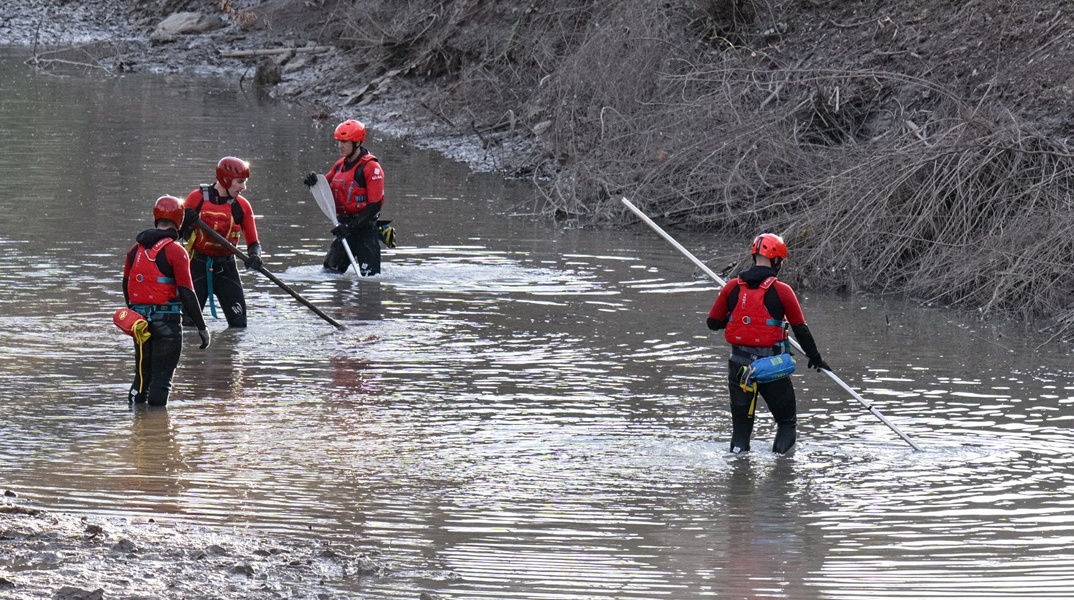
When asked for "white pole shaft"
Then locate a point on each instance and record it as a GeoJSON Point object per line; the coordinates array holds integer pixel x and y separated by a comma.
{"type": "Point", "coordinates": [350, 255]}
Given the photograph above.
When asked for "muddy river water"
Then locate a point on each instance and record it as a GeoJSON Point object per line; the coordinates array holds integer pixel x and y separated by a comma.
{"type": "Point", "coordinates": [516, 409]}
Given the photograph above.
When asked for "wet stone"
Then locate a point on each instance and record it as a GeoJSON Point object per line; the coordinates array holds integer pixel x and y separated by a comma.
{"type": "Point", "coordinates": [124, 546]}
{"type": "Point", "coordinates": [73, 593]}
{"type": "Point", "coordinates": [243, 569]}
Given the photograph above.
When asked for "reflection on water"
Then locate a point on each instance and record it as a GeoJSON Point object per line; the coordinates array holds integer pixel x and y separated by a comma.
{"type": "Point", "coordinates": [155, 460]}
{"type": "Point", "coordinates": [515, 409]}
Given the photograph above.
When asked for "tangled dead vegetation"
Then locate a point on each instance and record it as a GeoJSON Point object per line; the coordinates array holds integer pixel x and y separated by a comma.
{"type": "Point", "coordinates": [885, 172]}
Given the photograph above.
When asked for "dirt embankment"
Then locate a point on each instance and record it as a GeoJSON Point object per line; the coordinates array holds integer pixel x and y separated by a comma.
{"type": "Point", "coordinates": [66, 557]}
{"type": "Point", "coordinates": [917, 148]}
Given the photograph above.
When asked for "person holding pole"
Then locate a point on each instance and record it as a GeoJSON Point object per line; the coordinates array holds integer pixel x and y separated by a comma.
{"type": "Point", "coordinates": [224, 210]}
{"type": "Point", "coordinates": [357, 183]}
{"type": "Point", "coordinates": [797, 346]}
{"type": "Point", "coordinates": [156, 285]}
{"type": "Point", "coordinates": [755, 311]}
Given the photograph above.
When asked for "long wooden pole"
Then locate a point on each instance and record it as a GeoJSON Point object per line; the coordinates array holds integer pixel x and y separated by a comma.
{"type": "Point", "coordinates": [223, 242]}
{"type": "Point", "coordinates": [645, 218]}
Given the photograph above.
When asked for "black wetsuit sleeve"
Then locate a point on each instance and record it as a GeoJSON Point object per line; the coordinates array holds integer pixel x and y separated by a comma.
{"type": "Point", "coordinates": [192, 307]}
{"type": "Point", "coordinates": [805, 340]}
{"type": "Point", "coordinates": [716, 324]}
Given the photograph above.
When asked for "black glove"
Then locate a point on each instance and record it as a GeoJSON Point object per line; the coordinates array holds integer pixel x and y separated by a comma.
{"type": "Point", "coordinates": [253, 256]}
{"type": "Point", "coordinates": [190, 223]}
{"type": "Point", "coordinates": [204, 335]}
{"type": "Point", "coordinates": [816, 362]}
{"type": "Point", "coordinates": [341, 231]}
{"type": "Point", "coordinates": [310, 179]}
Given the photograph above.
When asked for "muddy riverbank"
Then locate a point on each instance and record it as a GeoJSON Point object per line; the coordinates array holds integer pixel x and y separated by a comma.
{"type": "Point", "coordinates": [69, 557]}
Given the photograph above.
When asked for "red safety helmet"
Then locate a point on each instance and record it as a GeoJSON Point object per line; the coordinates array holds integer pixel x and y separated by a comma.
{"type": "Point", "coordinates": [169, 208]}
{"type": "Point", "coordinates": [769, 245]}
{"type": "Point", "coordinates": [230, 168]}
{"type": "Point", "coordinates": [350, 131]}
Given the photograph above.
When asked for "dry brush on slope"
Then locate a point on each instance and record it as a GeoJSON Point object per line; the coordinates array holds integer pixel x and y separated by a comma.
{"type": "Point", "coordinates": [912, 148]}
{"type": "Point", "coordinates": [888, 170]}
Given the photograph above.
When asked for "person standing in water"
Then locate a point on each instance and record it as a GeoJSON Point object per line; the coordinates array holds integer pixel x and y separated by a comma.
{"type": "Point", "coordinates": [157, 285]}
{"type": "Point", "coordinates": [357, 182]}
{"type": "Point", "coordinates": [212, 264]}
{"type": "Point", "coordinates": [755, 310]}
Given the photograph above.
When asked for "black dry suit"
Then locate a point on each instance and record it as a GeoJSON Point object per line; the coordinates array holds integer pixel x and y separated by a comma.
{"type": "Point", "coordinates": [155, 359]}
{"type": "Point", "coordinates": [778, 394]}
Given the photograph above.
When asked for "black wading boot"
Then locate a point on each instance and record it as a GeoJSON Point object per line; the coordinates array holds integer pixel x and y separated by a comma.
{"type": "Point", "coordinates": [785, 437]}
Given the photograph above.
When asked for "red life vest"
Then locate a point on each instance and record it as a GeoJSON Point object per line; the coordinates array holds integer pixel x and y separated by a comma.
{"type": "Point", "coordinates": [751, 324]}
{"type": "Point", "coordinates": [349, 186]}
{"type": "Point", "coordinates": [147, 282]}
{"type": "Point", "coordinates": [224, 218]}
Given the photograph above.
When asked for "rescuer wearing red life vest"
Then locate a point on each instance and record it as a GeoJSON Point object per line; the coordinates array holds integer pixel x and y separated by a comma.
{"type": "Point", "coordinates": [157, 285]}
{"type": "Point", "coordinates": [357, 182]}
{"type": "Point", "coordinates": [225, 211]}
{"type": "Point", "coordinates": [755, 310]}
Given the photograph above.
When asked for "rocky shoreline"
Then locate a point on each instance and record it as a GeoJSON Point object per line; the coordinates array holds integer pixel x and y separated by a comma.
{"type": "Point", "coordinates": [295, 65]}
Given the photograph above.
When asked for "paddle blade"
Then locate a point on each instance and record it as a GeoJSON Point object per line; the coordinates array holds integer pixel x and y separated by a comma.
{"type": "Point", "coordinates": [323, 195]}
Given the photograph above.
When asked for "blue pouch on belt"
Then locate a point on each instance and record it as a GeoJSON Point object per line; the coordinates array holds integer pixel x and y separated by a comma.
{"type": "Point", "coordinates": [769, 368]}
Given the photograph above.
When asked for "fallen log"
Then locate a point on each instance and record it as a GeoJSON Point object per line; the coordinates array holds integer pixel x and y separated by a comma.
{"type": "Point", "coordinates": [271, 51]}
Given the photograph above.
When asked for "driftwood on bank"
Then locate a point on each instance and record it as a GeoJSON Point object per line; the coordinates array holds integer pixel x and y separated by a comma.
{"type": "Point", "coordinates": [272, 51]}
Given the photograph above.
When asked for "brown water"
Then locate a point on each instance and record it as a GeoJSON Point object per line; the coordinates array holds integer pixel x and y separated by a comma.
{"type": "Point", "coordinates": [516, 409]}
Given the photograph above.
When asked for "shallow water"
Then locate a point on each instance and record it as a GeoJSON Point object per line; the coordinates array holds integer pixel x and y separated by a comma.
{"type": "Point", "coordinates": [515, 409]}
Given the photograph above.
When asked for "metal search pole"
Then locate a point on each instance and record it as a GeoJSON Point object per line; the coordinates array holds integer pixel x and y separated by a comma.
{"type": "Point", "coordinates": [283, 286]}
{"type": "Point", "coordinates": [645, 218]}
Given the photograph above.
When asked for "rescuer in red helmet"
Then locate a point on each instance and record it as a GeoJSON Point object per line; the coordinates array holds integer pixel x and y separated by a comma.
{"type": "Point", "coordinates": [357, 182]}
{"type": "Point", "coordinates": [157, 285]}
{"type": "Point", "coordinates": [212, 264]}
{"type": "Point", "coordinates": [755, 310]}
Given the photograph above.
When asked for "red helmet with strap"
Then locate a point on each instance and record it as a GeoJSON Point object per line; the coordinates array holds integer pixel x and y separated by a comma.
{"type": "Point", "coordinates": [769, 245]}
{"type": "Point", "coordinates": [230, 168]}
{"type": "Point", "coordinates": [169, 208]}
{"type": "Point", "coordinates": [350, 131]}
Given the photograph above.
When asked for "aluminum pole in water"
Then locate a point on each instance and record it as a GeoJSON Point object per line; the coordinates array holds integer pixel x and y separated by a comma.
{"type": "Point", "coordinates": [219, 239]}
{"type": "Point", "coordinates": [645, 218]}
